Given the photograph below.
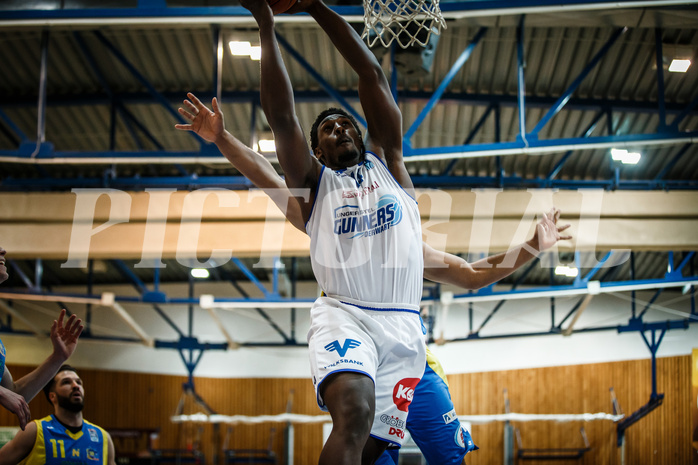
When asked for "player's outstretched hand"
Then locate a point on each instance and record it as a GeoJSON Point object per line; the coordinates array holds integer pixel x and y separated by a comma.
{"type": "Point", "coordinates": [548, 232]}
{"type": "Point", "coordinates": [16, 404]}
{"type": "Point", "coordinates": [65, 338]}
{"type": "Point", "coordinates": [208, 124]}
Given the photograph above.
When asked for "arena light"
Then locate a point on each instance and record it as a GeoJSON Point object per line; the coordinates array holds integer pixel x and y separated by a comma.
{"type": "Point", "coordinates": [256, 52]}
{"type": "Point", "coordinates": [679, 66]}
{"type": "Point", "coordinates": [625, 157]}
{"type": "Point", "coordinates": [266, 145]}
{"type": "Point", "coordinates": [564, 270]}
{"type": "Point", "coordinates": [240, 48]}
{"type": "Point", "coordinates": [201, 273]}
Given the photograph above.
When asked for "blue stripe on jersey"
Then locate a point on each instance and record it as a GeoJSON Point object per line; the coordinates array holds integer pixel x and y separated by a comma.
{"type": "Point", "coordinates": [377, 309]}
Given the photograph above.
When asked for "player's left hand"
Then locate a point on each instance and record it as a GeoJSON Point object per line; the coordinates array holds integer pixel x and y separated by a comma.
{"type": "Point", "coordinates": [65, 338]}
{"type": "Point", "coordinates": [548, 232]}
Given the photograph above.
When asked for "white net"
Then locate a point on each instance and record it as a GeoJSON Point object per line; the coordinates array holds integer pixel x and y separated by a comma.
{"type": "Point", "coordinates": [407, 22]}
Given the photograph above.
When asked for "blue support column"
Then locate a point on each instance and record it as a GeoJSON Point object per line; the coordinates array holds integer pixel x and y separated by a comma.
{"type": "Point", "coordinates": [470, 137]}
{"type": "Point", "coordinates": [587, 133]}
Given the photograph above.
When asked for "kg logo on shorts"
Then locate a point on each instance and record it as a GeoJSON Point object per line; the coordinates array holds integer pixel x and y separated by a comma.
{"type": "Point", "coordinates": [403, 393]}
{"type": "Point", "coordinates": [342, 349]}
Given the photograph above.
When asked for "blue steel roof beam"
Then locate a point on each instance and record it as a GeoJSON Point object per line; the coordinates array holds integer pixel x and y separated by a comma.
{"type": "Point", "coordinates": [518, 281]}
{"type": "Point", "coordinates": [262, 313]}
{"type": "Point", "coordinates": [598, 266]}
{"type": "Point", "coordinates": [143, 290]}
{"type": "Point", "coordinates": [320, 80]}
{"type": "Point", "coordinates": [13, 127]}
{"type": "Point", "coordinates": [542, 146]}
{"type": "Point", "coordinates": [565, 97]}
{"type": "Point", "coordinates": [103, 82]}
{"type": "Point", "coordinates": [682, 115]}
{"type": "Point", "coordinates": [22, 275]}
{"type": "Point", "coordinates": [470, 137]}
{"type": "Point", "coordinates": [659, 57]}
{"type": "Point", "coordinates": [570, 313]}
{"type": "Point", "coordinates": [587, 133]}
{"type": "Point", "coordinates": [649, 304]}
{"type": "Point", "coordinates": [682, 265]}
{"type": "Point", "coordinates": [238, 182]}
{"type": "Point", "coordinates": [672, 162]}
{"type": "Point", "coordinates": [520, 81]}
{"type": "Point", "coordinates": [132, 69]}
{"type": "Point", "coordinates": [457, 66]}
{"type": "Point", "coordinates": [154, 10]}
{"type": "Point", "coordinates": [253, 279]}
{"type": "Point", "coordinates": [305, 96]}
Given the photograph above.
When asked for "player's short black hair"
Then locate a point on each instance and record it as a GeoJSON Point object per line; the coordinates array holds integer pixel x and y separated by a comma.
{"type": "Point", "coordinates": [51, 383]}
{"type": "Point", "coordinates": [314, 140]}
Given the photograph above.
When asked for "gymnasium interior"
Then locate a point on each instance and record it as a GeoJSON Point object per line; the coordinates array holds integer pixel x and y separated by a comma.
{"type": "Point", "coordinates": [195, 291]}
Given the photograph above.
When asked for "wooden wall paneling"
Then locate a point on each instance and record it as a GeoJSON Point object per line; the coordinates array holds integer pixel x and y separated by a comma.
{"type": "Point", "coordinates": [139, 400]}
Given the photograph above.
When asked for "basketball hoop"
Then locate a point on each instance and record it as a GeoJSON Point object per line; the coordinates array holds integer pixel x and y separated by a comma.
{"type": "Point", "coordinates": [408, 22]}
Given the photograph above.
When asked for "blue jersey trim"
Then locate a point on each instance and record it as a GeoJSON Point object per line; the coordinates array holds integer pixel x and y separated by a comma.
{"type": "Point", "coordinates": [317, 187]}
{"type": "Point", "coordinates": [391, 175]}
{"type": "Point", "coordinates": [377, 309]}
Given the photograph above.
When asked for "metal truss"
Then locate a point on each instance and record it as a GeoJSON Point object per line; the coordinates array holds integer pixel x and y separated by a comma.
{"type": "Point", "coordinates": [40, 152]}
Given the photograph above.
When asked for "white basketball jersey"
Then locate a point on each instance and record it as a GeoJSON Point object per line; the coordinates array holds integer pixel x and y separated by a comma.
{"type": "Point", "coordinates": [366, 236]}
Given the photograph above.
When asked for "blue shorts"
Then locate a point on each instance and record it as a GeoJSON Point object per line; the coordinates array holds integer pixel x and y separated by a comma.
{"type": "Point", "coordinates": [433, 424]}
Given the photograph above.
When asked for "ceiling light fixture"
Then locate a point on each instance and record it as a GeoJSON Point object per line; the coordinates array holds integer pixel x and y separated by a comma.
{"type": "Point", "coordinates": [239, 48]}
{"type": "Point", "coordinates": [679, 66]}
{"type": "Point", "coordinates": [266, 145]}
{"type": "Point", "coordinates": [201, 273]}
{"type": "Point", "coordinates": [625, 157]}
{"type": "Point", "coordinates": [564, 270]}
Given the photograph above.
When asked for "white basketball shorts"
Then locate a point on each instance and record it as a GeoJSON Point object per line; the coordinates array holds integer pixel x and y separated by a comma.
{"type": "Point", "coordinates": [380, 341]}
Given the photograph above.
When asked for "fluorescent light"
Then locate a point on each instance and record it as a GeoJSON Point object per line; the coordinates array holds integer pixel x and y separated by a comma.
{"type": "Point", "coordinates": [256, 52]}
{"type": "Point", "coordinates": [625, 157]}
{"type": "Point", "coordinates": [679, 66]}
{"type": "Point", "coordinates": [239, 48]}
{"type": "Point", "coordinates": [266, 145]}
{"type": "Point", "coordinates": [201, 273]}
{"type": "Point", "coordinates": [564, 270]}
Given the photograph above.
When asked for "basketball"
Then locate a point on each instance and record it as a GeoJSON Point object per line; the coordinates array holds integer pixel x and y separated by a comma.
{"type": "Point", "coordinates": [281, 6]}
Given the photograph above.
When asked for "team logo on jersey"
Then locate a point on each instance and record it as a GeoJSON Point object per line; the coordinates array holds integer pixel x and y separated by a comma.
{"type": "Point", "coordinates": [460, 437]}
{"type": "Point", "coordinates": [450, 416]}
{"type": "Point", "coordinates": [92, 454]}
{"type": "Point", "coordinates": [403, 393]}
{"type": "Point", "coordinates": [342, 349]}
{"type": "Point", "coordinates": [93, 434]}
{"type": "Point", "coordinates": [350, 220]}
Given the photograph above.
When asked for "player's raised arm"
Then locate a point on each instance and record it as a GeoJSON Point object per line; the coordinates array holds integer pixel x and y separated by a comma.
{"type": "Point", "coordinates": [382, 113]}
{"type": "Point", "coordinates": [301, 169]}
{"type": "Point", "coordinates": [210, 125]}
{"type": "Point", "coordinates": [446, 268]}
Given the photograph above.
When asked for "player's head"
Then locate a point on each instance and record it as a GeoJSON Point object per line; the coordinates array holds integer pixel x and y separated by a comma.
{"type": "Point", "coordinates": [65, 390]}
{"type": "Point", "coordinates": [3, 266]}
{"type": "Point", "coordinates": [336, 139]}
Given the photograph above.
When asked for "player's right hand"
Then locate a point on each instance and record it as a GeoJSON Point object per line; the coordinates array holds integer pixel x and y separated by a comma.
{"type": "Point", "coordinates": [16, 404]}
